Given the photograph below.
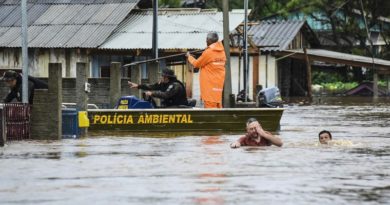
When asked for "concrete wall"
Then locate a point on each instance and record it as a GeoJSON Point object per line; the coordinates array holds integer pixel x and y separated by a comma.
{"type": "Point", "coordinates": [99, 95]}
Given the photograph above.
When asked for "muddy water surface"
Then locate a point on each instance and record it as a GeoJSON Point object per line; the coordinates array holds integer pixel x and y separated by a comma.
{"type": "Point", "coordinates": [204, 170]}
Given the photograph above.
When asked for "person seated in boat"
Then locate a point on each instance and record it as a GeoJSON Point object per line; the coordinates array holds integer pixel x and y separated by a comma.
{"type": "Point", "coordinates": [169, 89]}
{"type": "Point", "coordinates": [256, 136]}
{"type": "Point", "coordinates": [325, 137]}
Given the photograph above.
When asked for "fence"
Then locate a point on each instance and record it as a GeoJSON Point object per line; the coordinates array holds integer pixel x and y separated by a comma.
{"type": "Point", "coordinates": [15, 121]}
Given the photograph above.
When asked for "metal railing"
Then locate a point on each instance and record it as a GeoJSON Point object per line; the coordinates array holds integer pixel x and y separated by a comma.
{"type": "Point", "coordinates": [15, 122]}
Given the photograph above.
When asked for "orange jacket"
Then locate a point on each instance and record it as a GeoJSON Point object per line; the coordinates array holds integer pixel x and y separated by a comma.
{"type": "Point", "coordinates": [212, 72]}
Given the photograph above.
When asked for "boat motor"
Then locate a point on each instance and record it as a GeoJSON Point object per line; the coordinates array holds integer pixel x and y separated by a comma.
{"type": "Point", "coordinates": [269, 97]}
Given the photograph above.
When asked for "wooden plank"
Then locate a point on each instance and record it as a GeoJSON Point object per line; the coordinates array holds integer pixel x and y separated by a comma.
{"type": "Point", "coordinates": [189, 79]}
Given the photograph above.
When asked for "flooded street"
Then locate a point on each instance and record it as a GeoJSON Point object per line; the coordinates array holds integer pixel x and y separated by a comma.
{"type": "Point", "coordinates": [204, 170]}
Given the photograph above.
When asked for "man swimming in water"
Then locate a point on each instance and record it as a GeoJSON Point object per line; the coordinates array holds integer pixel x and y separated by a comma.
{"type": "Point", "coordinates": [324, 137]}
{"type": "Point", "coordinates": [256, 136]}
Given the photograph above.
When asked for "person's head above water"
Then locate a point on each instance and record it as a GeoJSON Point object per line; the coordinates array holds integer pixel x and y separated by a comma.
{"type": "Point", "coordinates": [324, 137]}
{"type": "Point", "coordinates": [212, 37]}
{"type": "Point", "coordinates": [252, 126]}
{"type": "Point", "coordinates": [256, 136]}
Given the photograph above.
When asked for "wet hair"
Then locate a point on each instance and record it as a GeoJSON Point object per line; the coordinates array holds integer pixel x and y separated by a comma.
{"type": "Point", "coordinates": [324, 131]}
{"type": "Point", "coordinates": [250, 120]}
{"type": "Point", "coordinates": [212, 37]}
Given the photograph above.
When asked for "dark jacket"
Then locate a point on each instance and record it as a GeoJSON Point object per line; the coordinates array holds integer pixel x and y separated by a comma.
{"type": "Point", "coordinates": [173, 93]}
{"type": "Point", "coordinates": [16, 92]}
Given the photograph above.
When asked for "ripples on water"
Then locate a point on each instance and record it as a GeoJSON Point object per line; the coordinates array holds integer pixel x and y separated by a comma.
{"type": "Point", "coordinates": [204, 170]}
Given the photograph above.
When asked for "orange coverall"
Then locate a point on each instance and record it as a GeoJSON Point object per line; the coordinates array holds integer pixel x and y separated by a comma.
{"type": "Point", "coordinates": [212, 74]}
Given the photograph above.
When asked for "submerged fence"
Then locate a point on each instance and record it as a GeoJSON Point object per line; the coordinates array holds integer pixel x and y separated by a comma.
{"type": "Point", "coordinates": [15, 122]}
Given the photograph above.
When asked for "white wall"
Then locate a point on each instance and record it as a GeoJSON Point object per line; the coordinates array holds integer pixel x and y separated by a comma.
{"type": "Point", "coordinates": [268, 75]}
{"type": "Point", "coordinates": [234, 60]}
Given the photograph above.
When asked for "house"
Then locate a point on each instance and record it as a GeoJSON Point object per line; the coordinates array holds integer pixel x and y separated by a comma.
{"type": "Point", "coordinates": [99, 32]}
{"type": "Point", "coordinates": [320, 24]}
{"type": "Point", "coordinates": [266, 39]}
{"type": "Point", "coordinates": [63, 31]}
{"type": "Point", "coordinates": [179, 30]}
{"type": "Point", "coordinates": [282, 54]}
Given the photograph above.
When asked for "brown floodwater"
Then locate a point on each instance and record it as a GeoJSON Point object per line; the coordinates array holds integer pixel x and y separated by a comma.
{"type": "Point", "coordinates": [204, 170]}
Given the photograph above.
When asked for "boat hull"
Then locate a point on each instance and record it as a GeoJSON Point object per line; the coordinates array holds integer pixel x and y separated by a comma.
{"type": "Point", "coordinates": [182, 120]}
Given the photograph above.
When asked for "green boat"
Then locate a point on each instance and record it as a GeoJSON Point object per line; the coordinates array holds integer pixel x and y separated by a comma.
{"type": "Point", "coordinates": [227, 120]}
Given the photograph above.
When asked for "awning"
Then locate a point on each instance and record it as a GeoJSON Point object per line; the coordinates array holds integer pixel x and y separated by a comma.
{"type": "Point", "coordinates": [337, 57]}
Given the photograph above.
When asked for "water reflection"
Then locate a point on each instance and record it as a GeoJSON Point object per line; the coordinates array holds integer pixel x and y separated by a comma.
{"type": "Point", "coordinates": [213, 181]}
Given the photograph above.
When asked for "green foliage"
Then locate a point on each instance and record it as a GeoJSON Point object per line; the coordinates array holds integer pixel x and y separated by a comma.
{"type": "Point", "coordinates": [320, 77]}
{"type": "Point", "coordinates": [339, 86]}
{"type": "Point", "coordinates": [169, 3]}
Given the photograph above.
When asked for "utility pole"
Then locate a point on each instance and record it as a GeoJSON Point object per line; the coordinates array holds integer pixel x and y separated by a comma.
{"type": "Point", "coordinates": [155, 29]}
{"type": "Point", "coordinates": [226, 43]}
{"type": "Point", "coordinates": [24, 52]}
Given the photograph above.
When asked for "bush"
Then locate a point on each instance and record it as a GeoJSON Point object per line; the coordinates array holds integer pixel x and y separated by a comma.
{"type": "Point", "coordinates": [320, 77]}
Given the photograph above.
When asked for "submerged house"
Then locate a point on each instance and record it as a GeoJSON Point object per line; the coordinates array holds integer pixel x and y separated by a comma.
{"type": "Point", "coordinates": [320, 23]}
{"type": "Point", "coordinates": [266, 40]}
{"type": "Point", "coordinates": [283, 53]}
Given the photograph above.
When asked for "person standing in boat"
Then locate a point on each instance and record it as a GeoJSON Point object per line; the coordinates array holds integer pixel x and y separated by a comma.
{"type": "Point", "coordinates": [13, 80]}
{"type": "Point", "coordinates": [256, 136]}
{"type": "Point", "coordinates": [212, 71]}
{"type": "Point", "coordinates": [169, 89]}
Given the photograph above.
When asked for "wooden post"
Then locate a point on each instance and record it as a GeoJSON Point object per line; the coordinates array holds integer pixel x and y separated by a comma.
{"type": "Point", "coordinates": [189, 79]}
{"type": "Point", "coordinates": [255, 75]}
{"type": "Point", "coordinates": [67, 62]}
{"type": "Point", "coordinates": [308, 65]}
{"type": "Point", "coordinates": [115, 83]}
{"type": "Point", "coordinates": [375, 86]}
{"type": "Point", "coordinates": [55, 95]}
{"type": "Point", "coordinates": [227, 88]}
{"type": "Point", "coordinates": [388, 85]}
{"type": "Point", "coordinates": [3, 137]}
{"type": "Point", "coordinates": [81, 94]}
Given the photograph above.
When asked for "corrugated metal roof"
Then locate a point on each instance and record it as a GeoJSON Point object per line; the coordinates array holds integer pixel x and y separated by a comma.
{"type": "Point", "coordinates": [9, 36]}
{"type": "Point", "coordinates": [275, 33]}
{"type": "Point", "coordinates": [13, 2]}
{"type": "Point", "coordinates": [63, 23]}
{"type": "Point", "coordinates": [5, 11]}
{"type": "Point", "coordinates": [178, 29]}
